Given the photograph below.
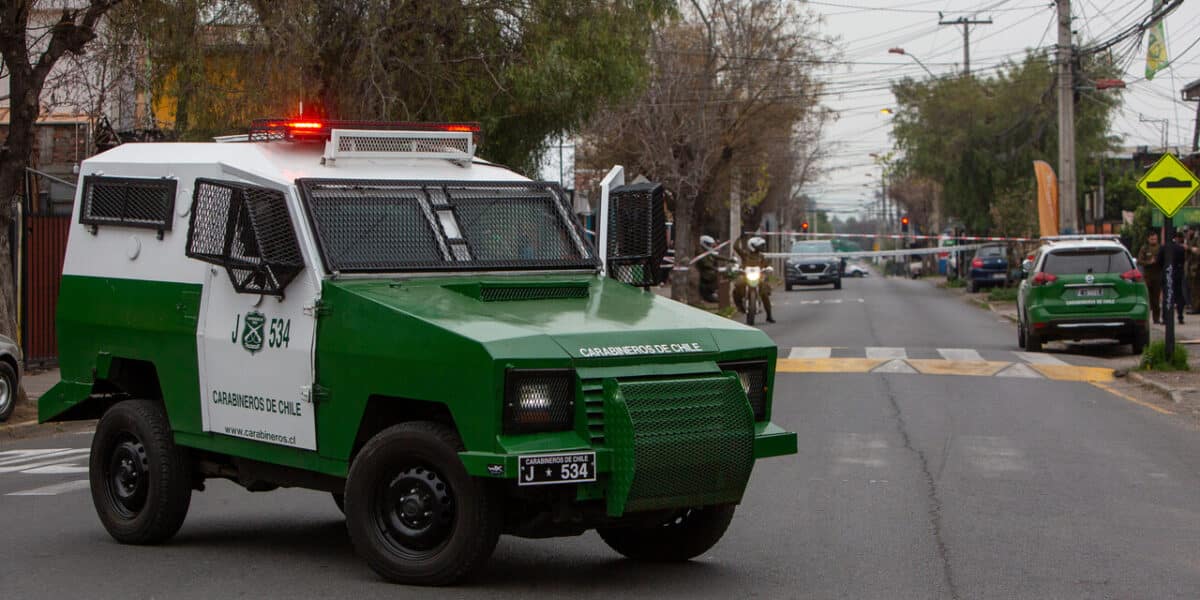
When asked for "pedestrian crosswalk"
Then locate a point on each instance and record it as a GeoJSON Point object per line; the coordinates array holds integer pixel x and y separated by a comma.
{"type": "Point", "coordinates": [46, 461]}
{"type": "Point", "coordinates": [935, 361]}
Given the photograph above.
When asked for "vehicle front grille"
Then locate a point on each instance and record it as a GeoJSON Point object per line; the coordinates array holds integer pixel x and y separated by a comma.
{"type": "Point", "coordinates": [813, 268]}
{"type": "Point", "coordinates": [677, 442]}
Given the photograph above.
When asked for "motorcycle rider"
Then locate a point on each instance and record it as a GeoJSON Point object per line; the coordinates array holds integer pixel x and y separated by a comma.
{"type": "Point", "coordinates": [751, 253]}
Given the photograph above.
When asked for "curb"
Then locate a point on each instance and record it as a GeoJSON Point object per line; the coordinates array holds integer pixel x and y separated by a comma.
{"type": "Point", "coordinates": [25, 428]}
{"type": "Point", "coordinates": [1173, 394]}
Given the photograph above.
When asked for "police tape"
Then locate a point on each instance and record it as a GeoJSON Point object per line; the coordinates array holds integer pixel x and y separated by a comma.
{"type": "Point", "coordinates": [902, 236]}
{"type": "Point", "coordinates": [880, 253]}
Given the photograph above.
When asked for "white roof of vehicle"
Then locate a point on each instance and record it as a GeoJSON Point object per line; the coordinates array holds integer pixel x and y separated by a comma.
{"type": "Point", "coordinates": [285, 162]}
{"type": "Point", "coordinates": [1082, 244]}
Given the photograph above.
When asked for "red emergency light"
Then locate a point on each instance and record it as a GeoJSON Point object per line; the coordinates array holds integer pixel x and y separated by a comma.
{"type": "Point", "coordinates": [310, 129]}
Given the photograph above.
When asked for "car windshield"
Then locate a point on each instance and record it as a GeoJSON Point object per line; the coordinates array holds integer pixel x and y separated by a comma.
{"type": "Point", "coordinates": [392, 226]}
{"type": "Point", "coordinates": [1088, 260]}
{"type": "Point", "coordinates": [812, 248]}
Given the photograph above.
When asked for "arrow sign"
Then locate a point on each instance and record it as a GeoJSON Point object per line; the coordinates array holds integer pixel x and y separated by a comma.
{"type": "Point", "coordinates": [1168, 185]}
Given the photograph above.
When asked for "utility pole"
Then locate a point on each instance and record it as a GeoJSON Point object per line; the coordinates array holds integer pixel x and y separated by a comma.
{"type": "Point", "coordinates": [966, 27]}
{"type": "Point", "coordinates": [1067, 208]}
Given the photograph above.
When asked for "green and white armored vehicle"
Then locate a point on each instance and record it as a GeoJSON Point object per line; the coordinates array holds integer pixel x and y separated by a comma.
{"type": "Point", "coordinates": [370, 310]}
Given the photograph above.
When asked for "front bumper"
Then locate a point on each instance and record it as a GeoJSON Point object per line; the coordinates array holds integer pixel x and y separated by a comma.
{"type": "Point", "coordinates": [664, 443]}
{"type": "Point", "coordinates": [797, 275]}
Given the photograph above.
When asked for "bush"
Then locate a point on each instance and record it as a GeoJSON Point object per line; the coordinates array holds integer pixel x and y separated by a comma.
{"type": "Point", "coordinates": [954, 283]}
{"type": "Point", "coordinates": [1154, 358]}
{"type": "Point", "coordinates": [1003, 294]}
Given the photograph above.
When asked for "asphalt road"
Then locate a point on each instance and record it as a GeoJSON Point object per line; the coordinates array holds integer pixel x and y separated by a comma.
{"type": "Point", "coordinates": [907, 485]}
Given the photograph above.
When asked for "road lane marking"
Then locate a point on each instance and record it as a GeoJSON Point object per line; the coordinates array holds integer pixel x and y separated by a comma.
{"type": "Point", "coordinates": [888, 353]}
{"type": "Point", "coordinates": [811, 352]}
{"type": "Point", "coordinates": [54, 490]}
{"type": "Point", "coordinates": [9, 457]}
{"type": "Point", "coordinates": [1020, 370]}
{"type": "Point", "coordinates": [979, 368]}
{"type": "Point", "coordinates": [826, 365]}
{"type": "Point", "coordinates": [1125, 396]}
{"type": "Point", "coordinates": [896, 366]}
{"type": "Point", "coordinates": [1066, 372]}
{"type": "Point", "coordinates": [36, 462]}
{"type": "Point", "coordinates": [1038, 358]}
{"type": "Point", "coordinates": [58, 469]}
{"type": "Point", "coordinates": [966, 354]}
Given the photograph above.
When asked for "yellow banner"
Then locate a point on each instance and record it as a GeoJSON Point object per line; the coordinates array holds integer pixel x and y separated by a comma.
{"type": "Point", "coordinates": [1047, 198]}
{"type": "Point", "coordinates": [1156, 47]}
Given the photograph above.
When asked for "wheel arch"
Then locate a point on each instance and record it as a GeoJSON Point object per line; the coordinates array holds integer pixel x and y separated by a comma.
{"type": "Point", "coordinates": [384, 411]}
{"type": "Point", "coordinates": [115, 378]}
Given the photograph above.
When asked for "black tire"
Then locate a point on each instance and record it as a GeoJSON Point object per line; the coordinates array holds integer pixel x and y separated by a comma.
{"type": "Point", "coordinates": [751, 305]}
{"type": "Point", "coordinates": [141, 481]}
{"type": "Point", "coordinates": [418, 545]}
{"type": "Point", "coordinates": [8, 391]}
{"type": "Point", "coordinates": [685, 536]}
{"type": "Point", "coordinates": [340, 501]}
{"type": "Point", "coordinates": [1140, 339]}
{"type": "Point", "coordinates": [837, 283]}
{"type": "Point", "coordinates": [1020, 334]}
{"type": "Point", "coordinates": [973, 286]}
{"type": "Point", "coordinates": [1033, 342]}
{"type": "Point", "coordinates": [787, 287]}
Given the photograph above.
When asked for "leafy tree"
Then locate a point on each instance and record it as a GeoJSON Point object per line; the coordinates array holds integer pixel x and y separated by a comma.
{"type": "Point", "coordinates": [528, 70]}
{"type": "Point", "coordinates": [978, 136]}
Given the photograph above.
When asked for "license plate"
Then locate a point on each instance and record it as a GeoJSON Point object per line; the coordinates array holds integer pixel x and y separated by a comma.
{"type": "Point", "coordinates": [812, 276]}
{"type": "Point", "coordinates": [999, 276]}
{"type": "Point", "coordinates": [547, 469]}
{"type": "Point", "coordinates": [1091, 293]}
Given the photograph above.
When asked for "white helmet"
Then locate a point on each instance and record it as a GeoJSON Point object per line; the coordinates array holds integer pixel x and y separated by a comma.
{"type": "Point", "coordinates": [707, 242]}
{"type": "Point", "coordinates": [756, 244]}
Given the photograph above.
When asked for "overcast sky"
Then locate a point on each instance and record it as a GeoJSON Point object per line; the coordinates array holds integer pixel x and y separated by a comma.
{"type": "Point", "coordinates": [858, 84]}
{"type": "Point", "coordinates": [867, 29]}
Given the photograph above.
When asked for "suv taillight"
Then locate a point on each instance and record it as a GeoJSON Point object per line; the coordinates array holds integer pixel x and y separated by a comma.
{"type": "Point", "coordinates": [1133, 275]}
{"type": "Point", "coordinates": [1043, 278]}
{"type": "Point", "coordinates": [977, 263]}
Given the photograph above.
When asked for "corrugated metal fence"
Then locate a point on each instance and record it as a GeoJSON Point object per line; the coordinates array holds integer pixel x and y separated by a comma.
{"type": "Point", "coordinates": [45, 247]}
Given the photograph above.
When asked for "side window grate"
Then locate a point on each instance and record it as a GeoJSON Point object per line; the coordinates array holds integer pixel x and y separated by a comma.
{"type": "Point", "coordinates": [247, 230]}
{"type": "Point", "coordinates": [128, 201]}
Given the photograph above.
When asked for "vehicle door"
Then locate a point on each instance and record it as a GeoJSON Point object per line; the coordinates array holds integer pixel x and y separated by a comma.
{"type": "Point", "coordinates": [257, 326]}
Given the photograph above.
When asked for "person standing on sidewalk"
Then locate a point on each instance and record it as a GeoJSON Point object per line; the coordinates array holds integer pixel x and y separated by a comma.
{"type": "Point", "coordinates": [1173, 275]}
{"type": "Point", "coordinates": [1193, 271]}
{"type": "Point", "coordinates": [1152, 270]}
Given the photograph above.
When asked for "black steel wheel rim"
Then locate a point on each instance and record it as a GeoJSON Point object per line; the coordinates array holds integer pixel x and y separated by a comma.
{"type": "Point", "coordinates": [414, 511]}
{"type": "Point", "coordinates": [126, 476]}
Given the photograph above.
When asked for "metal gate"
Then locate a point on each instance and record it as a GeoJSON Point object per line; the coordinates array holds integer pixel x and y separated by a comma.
{"type": "Point", "coordinates": [46, 222]}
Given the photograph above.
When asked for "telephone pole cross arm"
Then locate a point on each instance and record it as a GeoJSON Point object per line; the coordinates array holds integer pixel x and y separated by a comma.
{"type": "Point", "coordinates": [966, 31]}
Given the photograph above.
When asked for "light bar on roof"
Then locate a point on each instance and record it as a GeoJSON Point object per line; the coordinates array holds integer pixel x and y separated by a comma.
{"type": "Point", "coordinates": [312, 129]}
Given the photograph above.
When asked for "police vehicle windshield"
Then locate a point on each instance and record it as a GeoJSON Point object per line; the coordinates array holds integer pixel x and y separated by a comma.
{"type": "Point", "coordinates": [396, 226]}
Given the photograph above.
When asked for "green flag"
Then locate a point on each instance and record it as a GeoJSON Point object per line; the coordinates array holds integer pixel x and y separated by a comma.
{"type": "Point", "coordinates": [1156, 49]}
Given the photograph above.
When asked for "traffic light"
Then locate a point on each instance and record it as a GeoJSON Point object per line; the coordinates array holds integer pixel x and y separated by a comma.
{"type": "Point", "coordinates": [903, 224]}
{"type": "Point", "coordinates": [804, 227]}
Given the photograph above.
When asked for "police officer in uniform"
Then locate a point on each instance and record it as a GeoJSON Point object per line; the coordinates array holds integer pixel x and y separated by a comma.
{"type": "Point", "coordinates": [751, 252]}
{"type": "Point", "coordinates": [1152, 270]}
{"type": "Point", "coordinates": [1193, 271]}
{"type": "Point", "coordinates": [709, 268]}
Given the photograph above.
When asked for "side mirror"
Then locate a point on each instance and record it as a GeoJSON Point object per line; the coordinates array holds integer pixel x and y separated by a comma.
{"type": "Point", "coordinates": [636, 236]}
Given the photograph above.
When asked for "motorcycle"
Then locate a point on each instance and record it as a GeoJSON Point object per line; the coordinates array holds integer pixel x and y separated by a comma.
{"type": "Point", "coordinates": [753, 276]}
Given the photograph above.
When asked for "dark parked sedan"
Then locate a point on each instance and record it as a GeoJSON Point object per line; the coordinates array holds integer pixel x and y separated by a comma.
{"type": "Point", "coordinates": [989, 267]}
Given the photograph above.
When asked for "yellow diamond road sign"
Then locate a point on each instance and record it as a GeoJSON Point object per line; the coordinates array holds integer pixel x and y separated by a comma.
{"type": "Point", "coordinates": [1168, 184]}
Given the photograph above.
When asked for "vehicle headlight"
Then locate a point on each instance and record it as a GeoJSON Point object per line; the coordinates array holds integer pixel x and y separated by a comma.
{"type": "Point", "coordinates": [753, 274]}
{"type": "Point", "coordinates": [539, 400]}
{"type": "Point", "coordinates": [753, 376]}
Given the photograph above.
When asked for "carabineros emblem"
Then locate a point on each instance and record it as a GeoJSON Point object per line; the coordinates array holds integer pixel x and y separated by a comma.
{"type": "Point", "coordinates": [253, 332]}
